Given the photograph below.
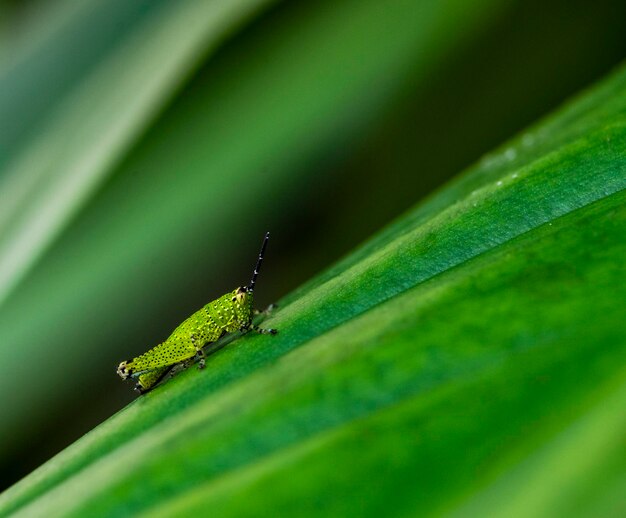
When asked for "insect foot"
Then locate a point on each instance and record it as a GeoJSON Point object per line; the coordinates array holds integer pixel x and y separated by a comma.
{"type": "Point", "coordinates": [123, 371]}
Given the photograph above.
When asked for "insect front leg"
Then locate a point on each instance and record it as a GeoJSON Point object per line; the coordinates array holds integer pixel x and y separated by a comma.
{"type": "Point", "coordinates": [262, 330]}
{"type": "Point", "coordinates": [267, 311]}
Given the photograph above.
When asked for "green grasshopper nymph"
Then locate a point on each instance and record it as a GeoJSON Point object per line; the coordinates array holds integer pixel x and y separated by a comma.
{"type": "Point", "coordinates": [231, 312]}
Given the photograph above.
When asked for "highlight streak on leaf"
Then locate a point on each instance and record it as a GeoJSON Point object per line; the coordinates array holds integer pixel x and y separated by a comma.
{"type": "Point", "coordinates": [89, 133]}
{"type": "Point", "coordinates": [588, 112]}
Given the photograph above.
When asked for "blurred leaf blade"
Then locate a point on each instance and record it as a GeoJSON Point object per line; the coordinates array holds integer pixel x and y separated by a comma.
{"type": "Point", "coordinates": [478, 289]}
{"type": "Point", "coordinates": [54, 176]}
{"type": "Point", "coordinates": [42, 50]}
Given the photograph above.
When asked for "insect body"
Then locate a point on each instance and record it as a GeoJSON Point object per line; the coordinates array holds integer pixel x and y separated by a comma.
{"type": "Point", "coordinates": [229, 313]}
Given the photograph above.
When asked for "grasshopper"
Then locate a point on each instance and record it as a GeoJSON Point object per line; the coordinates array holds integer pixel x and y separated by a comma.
{"type": "Point", "coordinates": [229, 313]}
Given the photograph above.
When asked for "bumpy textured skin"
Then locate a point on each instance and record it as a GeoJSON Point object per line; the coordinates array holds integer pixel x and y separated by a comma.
{"type": "Point", "coordinates": [231, 312]}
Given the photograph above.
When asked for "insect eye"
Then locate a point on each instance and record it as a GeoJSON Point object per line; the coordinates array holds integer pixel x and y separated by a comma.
{"type": "Point", "coordinates": [234, 299]}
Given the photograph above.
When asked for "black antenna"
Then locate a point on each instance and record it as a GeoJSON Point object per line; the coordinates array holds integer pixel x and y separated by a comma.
{"type": "Point", "coordinates": [258, 263]}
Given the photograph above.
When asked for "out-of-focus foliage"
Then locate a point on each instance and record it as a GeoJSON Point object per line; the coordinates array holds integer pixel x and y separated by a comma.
{"type": "Point", "coordinates": [467, 359]}
{"type": "Point", "coordinates": [146, 146]}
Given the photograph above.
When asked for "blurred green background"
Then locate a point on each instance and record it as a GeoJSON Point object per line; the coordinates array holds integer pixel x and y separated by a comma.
{"type": "Point", "coordinates": [146, 146]}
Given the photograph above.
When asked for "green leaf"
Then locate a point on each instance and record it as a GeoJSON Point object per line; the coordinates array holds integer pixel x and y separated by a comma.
{"type": "Point", "coordinates": [468, 359]}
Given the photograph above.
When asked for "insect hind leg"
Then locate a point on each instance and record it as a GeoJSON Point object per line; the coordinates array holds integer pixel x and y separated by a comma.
{"type": "Point", "coordinates": [147, 381]}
